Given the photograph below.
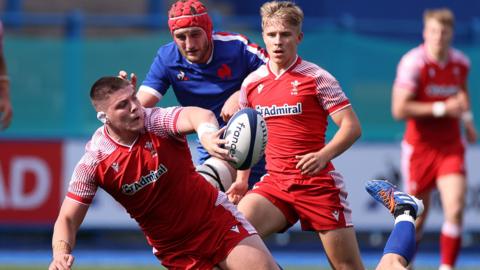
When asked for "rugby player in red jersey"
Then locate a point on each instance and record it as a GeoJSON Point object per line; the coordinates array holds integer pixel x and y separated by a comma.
{"type": "Point", "coordinates": [141, 158]}
{"type": "Point", "coordinates": [430, 93]}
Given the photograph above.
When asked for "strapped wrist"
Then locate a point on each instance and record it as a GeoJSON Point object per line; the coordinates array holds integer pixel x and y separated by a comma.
{"type": "Point", "coordinates": [467, 117]}
{"type": "Point", "coordinates": [439, 109]}
{"type": "Point", "coordinates": [206, 128]}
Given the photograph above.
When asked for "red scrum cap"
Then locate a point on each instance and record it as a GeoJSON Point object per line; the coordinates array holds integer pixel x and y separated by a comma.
{"type": "Point", "coordinates": [189, 13]}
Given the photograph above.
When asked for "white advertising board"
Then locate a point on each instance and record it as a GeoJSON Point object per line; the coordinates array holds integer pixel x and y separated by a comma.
{"type": "Point", "coordinates": [381, 161]}
{"type": "Point", "coordinates": [358, 165]}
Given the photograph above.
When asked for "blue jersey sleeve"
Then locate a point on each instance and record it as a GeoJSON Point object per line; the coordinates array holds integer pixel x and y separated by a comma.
{"type": "Point", "coordinates": [156, 77]}
{"type": "Point", "coordinates": [255, 54]}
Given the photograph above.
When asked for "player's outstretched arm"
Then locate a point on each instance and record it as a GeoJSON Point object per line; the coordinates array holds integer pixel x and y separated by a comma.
{"type": "Point", "coordinates": [68, 221]}
{"type": "Point", "coordinates": [202, 121]}
{"type": "Point", "coordinates": [348, 132]}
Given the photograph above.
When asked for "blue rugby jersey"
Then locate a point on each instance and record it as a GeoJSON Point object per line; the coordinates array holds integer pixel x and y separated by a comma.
{"type": "Point", "coordinates": [204, 85]}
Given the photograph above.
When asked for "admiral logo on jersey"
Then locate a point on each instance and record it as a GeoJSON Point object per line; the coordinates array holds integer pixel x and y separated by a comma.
{"type": "Point", "coordinates": [152, 177]}
{"type": "Point", "coordinates": [224, 72]}
{"type": "Point", "coordinates": [274, 110]}
{"type": "Point", "coordinates": [442, 90]}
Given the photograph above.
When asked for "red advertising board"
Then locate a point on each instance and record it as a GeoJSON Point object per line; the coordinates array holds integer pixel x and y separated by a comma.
{"type": "Point", "coordinates": [30, 181]}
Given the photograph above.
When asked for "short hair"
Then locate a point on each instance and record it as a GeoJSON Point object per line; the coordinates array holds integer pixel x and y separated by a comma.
{"type": "Point", "coordinates": [443, 15]}
{"type": "Point", "coordinates": [105, 86]}
{"type": "Point", "coordinates": [283, 10]}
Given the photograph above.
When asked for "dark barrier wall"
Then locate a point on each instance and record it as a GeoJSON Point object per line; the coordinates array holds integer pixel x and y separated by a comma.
{"type": "Point", "coordinates": [372, 9]}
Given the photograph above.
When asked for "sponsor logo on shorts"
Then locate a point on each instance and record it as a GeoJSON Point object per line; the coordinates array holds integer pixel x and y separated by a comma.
{"type": "Point", "coordinates": [336, 214]}
{"type": "Point", "coordinates": [235, 229]}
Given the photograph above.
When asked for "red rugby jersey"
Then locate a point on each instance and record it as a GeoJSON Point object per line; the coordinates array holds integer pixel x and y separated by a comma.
{"type": "Point", "coordinates": [431, 81]}
{"type": "Point", "coordinates": [154, 179]}
{"type": "Point", "coordinates": [295, 105]}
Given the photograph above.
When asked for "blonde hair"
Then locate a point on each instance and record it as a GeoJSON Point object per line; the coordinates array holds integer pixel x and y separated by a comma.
{"type": "Point", "coordinates": [443, 15]}
{"type": "Point", "coordinates": [286, 11]}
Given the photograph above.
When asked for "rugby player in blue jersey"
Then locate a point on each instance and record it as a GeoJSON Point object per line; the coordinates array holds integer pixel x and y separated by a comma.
{"type": "Point", "coordinates": [203, 67]}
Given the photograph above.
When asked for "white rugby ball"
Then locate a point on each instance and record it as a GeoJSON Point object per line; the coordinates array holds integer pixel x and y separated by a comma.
{"type": "Point", "coordinates": [246, 133]}
{"type": "Point", "coordinates": [218, 172]}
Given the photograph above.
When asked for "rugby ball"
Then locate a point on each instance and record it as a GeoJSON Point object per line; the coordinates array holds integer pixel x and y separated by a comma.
{"type": "Point", "coordinates": [246, 135]}
{"type": "Point", "coordinates": [218, 172]}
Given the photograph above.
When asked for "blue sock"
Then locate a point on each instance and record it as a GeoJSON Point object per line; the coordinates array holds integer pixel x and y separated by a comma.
{"type": "Point", "coordinates": [402, 238]}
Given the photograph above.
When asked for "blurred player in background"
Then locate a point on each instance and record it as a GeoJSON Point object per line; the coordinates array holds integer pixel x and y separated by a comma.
{"type": "Point", "coordinates": [295, 97]}
{"type": "Point", "coordinates": [142, 159]}
{"type": "Point", "coordinates": [430, 93]}
{"type": "Point", "coordinates": [204, 68]}
{"type": "Point", "coordinates": [5, 104]}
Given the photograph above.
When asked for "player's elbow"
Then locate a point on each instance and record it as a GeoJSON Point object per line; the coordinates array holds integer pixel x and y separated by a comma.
{"type": "Point", "coordinates": [355, 131]}
{"type": "Point", "coordinates": [358, 132]}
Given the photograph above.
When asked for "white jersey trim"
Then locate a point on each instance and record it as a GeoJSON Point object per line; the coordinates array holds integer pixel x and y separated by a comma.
{"type": "Point", "coordinates": [79, 202]}
{"type": "Point", "coordinates": [341, 108]}
{"type": "Point", "coordinates": [150, 90]}
{"type": "Point", "coordinates": [343, 194]}
{"type": "Point", "coordinates": [250, 48]}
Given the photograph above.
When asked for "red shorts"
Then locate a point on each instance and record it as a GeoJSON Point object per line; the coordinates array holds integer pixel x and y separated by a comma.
{"type": "Point", "coordinates": [423, 164]}
{"type": "Point", "coordinates": [212, 243]}
{"type": "Point", "coordinates": [319, 202]}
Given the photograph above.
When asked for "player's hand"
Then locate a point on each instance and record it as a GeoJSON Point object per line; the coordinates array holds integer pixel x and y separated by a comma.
{"type": "Point", "coordinates": [5, 113]}
{"type": "Point", "coordinates": [230, 107]}
{"type": "Point", "coordinates": [61, 261]}
{"type": "Point", "coordinates": [311, 163]}
{"type": "Point", "coordinates": [236, 191]}
{"type": "Point", "coordinates": [455, 105]}
{"type": "Point", "coordinates": [212, 142]}
{"type": "Point", "coordinates": [471, 133]}
{"type": "Point", "coordinates": [133, 78]}
{"type": "Point", "coordinates": [462, 99]}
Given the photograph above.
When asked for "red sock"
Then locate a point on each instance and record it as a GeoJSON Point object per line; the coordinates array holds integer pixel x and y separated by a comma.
{"type": "Point", "coordinates": [449, 248]}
